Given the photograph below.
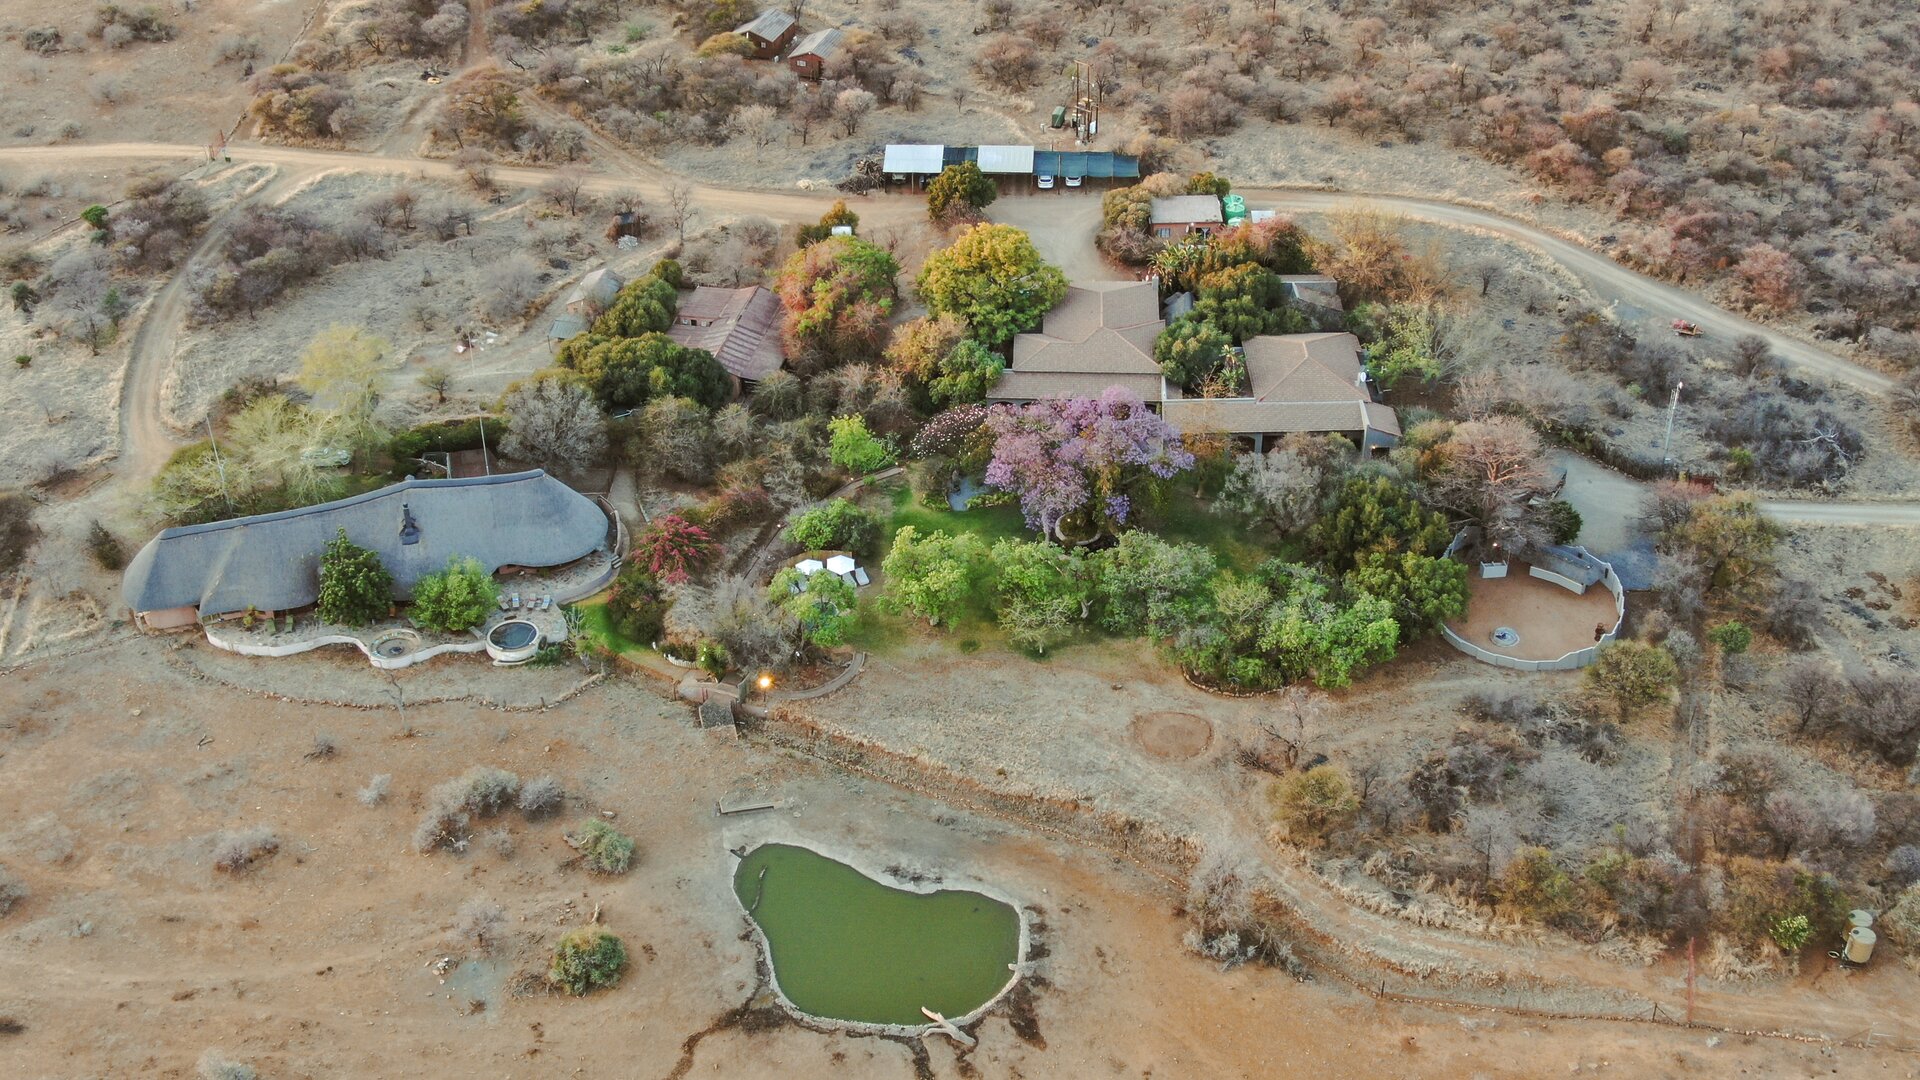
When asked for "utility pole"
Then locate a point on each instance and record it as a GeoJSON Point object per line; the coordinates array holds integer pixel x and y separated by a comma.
{"type": "Point", "coordinates": [219, 465]}
{"type": "Point", "coordinates": [1673, 406]}
{"type": "Point", "coordinates": [485, 462]}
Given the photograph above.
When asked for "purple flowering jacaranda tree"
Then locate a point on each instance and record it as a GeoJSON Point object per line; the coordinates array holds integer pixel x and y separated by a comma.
{"type": "Point", "coordinates": [1081, 457]}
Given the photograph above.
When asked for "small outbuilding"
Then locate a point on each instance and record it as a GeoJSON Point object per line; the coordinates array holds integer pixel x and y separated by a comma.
{"type": "Point", "coordinates": [770, 32]}
{"type": "Point", "coordinates": [914, 163]}
{"type": "Point", "coordinates": [812, 54]}
{"type": "Point", "coordinates": [594, 293]}
{"type": "Point", "coordinates": [1184, 215]}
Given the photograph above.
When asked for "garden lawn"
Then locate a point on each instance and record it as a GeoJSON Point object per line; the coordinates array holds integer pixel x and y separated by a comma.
{"type": "Point", "coordinates": [597, 626]}
{"type": "Point", "coordinates": [989, 523]}
{"type": "Point", "coordinates": [1233, 542]}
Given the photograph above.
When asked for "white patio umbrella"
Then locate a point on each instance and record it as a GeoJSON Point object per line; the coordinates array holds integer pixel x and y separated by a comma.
{"type": "Point", "coordinates": [840, 564]}
{"type": "Point", "coordinates": [809, 566]}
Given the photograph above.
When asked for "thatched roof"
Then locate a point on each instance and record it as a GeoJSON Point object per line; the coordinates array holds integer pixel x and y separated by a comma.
{"type": "Point", "coordinates": [272, 561]}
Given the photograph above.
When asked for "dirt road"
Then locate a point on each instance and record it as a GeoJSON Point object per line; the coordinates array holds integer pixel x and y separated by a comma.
{"type": "Point", "coordinates": [1809, 512]}
{"type": "Point", "coordinates": [1606, 277]}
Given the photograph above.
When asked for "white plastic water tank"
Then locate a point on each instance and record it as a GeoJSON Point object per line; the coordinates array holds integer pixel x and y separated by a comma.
{"type": "Point", "coordinates": [1859, 945]}
{"type": "Point", "coordinates": [1859, 917]}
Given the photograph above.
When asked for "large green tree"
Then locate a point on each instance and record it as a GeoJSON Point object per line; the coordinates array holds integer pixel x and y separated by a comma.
{"type": "Point", "coordinates": [1042, 594]}
{"type": "Point", "coordinates": [456, 598]}
{"type": "Point", "coordinates": [645, 305]}
{"type": "Point", "coordinates": [935, 576]}
{"type": "Point", "coordinates": [1190, 350]}
{"type": "Point", "coordinates": [1152, 586]}
{"type": "Point", "coordinates": [1375, 513]}
{"type": "Point", "coordinates": [1424, 590]}
{"type": "Point", "coordinates": [628, 372]}
{"type": "Point", "coordinates": [355, 587]}
{"type": "Point", "coordinates": [962, 185]}
{"type": "Point", "coordinates": [992, 277]}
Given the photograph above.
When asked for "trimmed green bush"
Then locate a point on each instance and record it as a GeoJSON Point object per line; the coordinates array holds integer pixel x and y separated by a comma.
{"type": "Point", "coordinates": [456, 598]}
{"type": "Point", "coordinates": [605, 849]}
{"type": "Point", "coordinates": [586, 960]}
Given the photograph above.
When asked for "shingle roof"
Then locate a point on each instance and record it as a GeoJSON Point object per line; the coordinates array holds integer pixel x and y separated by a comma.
{"type": "Point", "coordinates": [1100, 334]}
{"type": "Point", "coordinates": [1297, 382]}
{"type": "Point", "coordinates": [1186, 209]}
{"type": "Point", "coordinates": [272, 561]}
{"type": "Point", "coordinates": [769, 24]}
{"type": "Point", "coordinates": [821, 43]}
{"type": "Point", "coordinates": [742, 328]}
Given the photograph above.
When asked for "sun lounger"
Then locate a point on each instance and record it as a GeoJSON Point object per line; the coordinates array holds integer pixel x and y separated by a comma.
{"type": "Point", "coordinates": [503, 603]}
{"type": "Point", "coordinates": [860, 576]}
{"type": "Point", "coordinates": [516, 602]}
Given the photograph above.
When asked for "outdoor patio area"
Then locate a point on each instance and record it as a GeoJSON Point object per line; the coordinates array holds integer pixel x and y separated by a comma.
{"type": "Point", "coordinates": [1547, 621]}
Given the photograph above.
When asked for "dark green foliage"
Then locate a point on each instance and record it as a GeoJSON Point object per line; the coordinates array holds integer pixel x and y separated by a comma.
{"type": "Point", "coordinates": [628, 372]}
{"type": "Point", "coordinates": [443, 436]}
{"type": "Point", "coordinates": [586, 960]}
{"type": "Point", "coordinates": [962, 185]}
{"type": "Point", "coordinates": [1424, 591]}
{"type": "Point", "coordinates": [96, 216]}
{"type": "Point", "coordinates": [1206, 183]}
{"type": "Point", "coordinates": [836, 526]}
{"type": "Point", "coordinates": [105, 547]}
{"type": "Point", "coordinates": [965, 374]}
{"type": "Point", "coordinates": [1246, 300]}
{"type": "Point", "coordinates": [355, 588]}
{"type": "Point", "coordinates": [456, 598]}
{"type": "Point", "coordinates": [643, 306]}
{"type": "Point", "coordinates": [1376, 513]}
{"type": "Point", "coordinates": [637, 607]}
{"type": "Point", "coordinates": [1190, 350]}
{"type": "Point", "coordinates": [1563, 521]}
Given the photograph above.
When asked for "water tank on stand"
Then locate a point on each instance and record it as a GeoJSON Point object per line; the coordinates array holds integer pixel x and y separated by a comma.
{"type": "Point", "coordinates": [1859, 945]}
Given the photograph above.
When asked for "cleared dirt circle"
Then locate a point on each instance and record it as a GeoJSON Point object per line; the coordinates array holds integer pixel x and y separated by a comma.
{"type": "Point", "coordinates": [1175, 736]}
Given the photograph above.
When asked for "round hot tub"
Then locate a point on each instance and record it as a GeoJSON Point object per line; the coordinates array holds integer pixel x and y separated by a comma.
{"type": "Point", "coordinates": [513, 642]}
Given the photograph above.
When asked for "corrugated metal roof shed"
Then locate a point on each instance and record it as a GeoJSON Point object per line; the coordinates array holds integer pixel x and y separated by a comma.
{"type": "Point", "coordinates": [913, 158]}
{"type": "Point", "coordinates": [1007, 159]}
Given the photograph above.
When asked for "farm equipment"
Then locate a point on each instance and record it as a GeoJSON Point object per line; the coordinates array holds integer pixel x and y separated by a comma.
{"type": "Point", "coordinates": [1686, 329]}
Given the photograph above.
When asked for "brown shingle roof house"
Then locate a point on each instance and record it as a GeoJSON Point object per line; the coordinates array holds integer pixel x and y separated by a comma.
{"type": "Point", "coordinates": [740, 327]}
{"type": "Point", "coordinates": [1297, 382]}
{"type": "Point", "coordinates": [1099, 335]}
{"type": "Point", "coordinates": [1175, 217]}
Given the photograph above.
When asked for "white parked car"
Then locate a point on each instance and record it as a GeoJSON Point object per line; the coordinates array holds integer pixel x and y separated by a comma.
{"type": "Point", "coordinates": [1045, 182]}
{"type": "Point", "coordinates": [1073, 181]}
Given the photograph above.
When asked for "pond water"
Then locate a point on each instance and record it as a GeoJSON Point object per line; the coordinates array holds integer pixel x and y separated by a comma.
{"type": "Point", "coordinates": [847, 947]}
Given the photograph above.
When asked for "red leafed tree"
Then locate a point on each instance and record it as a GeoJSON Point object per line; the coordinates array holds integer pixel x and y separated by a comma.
{"type": "Point", "coordinates": [674, 549]}
{"type": "Point", "coordinates": [1773, 278]}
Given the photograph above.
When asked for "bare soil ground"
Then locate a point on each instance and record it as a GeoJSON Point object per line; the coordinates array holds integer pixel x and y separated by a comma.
{"type": "Point", "coordinates": [133, 955]}
{"type": "Point", "coordinates": [1550, 620]}
{"type": "Point", "coordinates": [177, 90]}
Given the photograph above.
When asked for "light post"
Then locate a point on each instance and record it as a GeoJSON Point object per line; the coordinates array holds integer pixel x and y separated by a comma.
{"type": "Point", "coordinates": [766, 684]}
{"type": "Point", "coordinates": [1673, 406]}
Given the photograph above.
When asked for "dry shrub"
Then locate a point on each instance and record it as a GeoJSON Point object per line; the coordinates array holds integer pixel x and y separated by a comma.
{"type": "Point", "coordinates": [481, 791]}
{"type": "Point", "coordinates": [238, 851]}
{"type": "Point", "coordinates": [12, 890]}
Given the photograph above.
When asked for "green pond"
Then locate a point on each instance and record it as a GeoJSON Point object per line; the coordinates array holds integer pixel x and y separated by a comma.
{"type": "Point", "coordinates": [847, 947]}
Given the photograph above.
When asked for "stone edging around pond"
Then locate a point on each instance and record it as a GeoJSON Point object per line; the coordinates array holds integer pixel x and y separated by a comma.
{"type": "Point", "coordinates": [764, 835]}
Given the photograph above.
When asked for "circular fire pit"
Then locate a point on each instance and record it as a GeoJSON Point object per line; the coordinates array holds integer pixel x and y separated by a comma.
{"type": "Point", "coordinates": [1506, 637]}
